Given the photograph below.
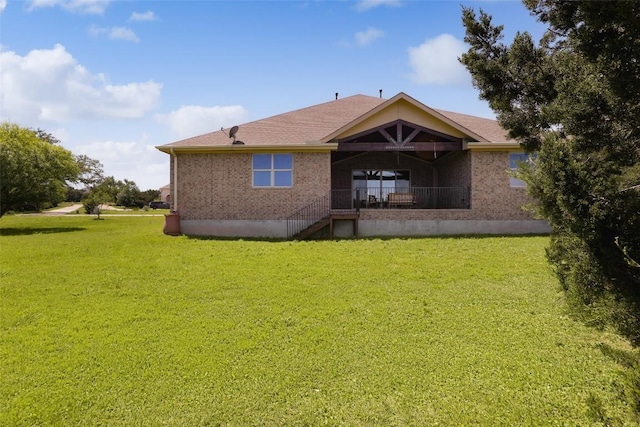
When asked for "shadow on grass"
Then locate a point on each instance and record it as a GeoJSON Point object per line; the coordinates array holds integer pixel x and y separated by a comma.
{"type": "Point", "coordinates": [630, 361]}
{"type": "Point", "coordinates": [230, 239]}
{"type": "Point", "coordinates": [44, 230]}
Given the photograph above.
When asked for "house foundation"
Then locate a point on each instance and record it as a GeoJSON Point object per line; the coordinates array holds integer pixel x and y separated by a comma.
{"type": "Point", "coordinates": [367, 228]}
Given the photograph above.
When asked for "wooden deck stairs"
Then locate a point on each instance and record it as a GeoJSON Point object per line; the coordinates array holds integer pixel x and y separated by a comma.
{"type": "Point", "coordinates": [328, 222]}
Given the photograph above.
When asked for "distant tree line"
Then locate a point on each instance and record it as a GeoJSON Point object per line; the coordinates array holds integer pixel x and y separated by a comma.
{"type": "Point", "coordinates": [37, 173]}
{"type": "Point", "coordinates": [116, 192]}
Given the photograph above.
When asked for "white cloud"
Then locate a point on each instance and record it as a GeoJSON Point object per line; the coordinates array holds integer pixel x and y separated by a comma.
{"type": "Point", "coordinates": [363, 5]}
{"type": "Point", "coordinates": [114, 33]}
{"type": "Point", "coordinates": [95, 31]}
{"type": "Point", "coordinates": [436, 61]}
{"type": "Point", "coordinates": [144, 16]}
{"type": "Point", "coordinates": [3, 5]}
{"type": "Point", "coordinates": [364, 38]}
{"type": "Point", "coordinates": [136, 160]}
{"type": "Point", "coordinates": [50, 85]}
{"type": "Point", "coordinates": [123, 33]}
{"type": "Point", "coordinates": [194, 120]}
{"type": "Point", "coordinates": [94, 7]}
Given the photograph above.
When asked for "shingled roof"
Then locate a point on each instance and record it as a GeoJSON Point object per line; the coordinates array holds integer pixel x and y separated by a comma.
{"type": "Point", "coordinates": [312, 124]}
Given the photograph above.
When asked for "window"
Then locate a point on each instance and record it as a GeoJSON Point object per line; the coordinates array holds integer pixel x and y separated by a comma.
{"type": "Point", "coordinates": [514, 160]}
{"type": "Point", "coordinates": [380, 183]}
{"type": "Point", "coordinates": [272, 170]}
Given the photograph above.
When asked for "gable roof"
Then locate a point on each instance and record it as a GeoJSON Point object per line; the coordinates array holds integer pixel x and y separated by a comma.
{"type": "Point", "coordinates": [321, 123]}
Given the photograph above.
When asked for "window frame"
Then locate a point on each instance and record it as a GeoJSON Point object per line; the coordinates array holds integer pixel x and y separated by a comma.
{"type": "Point", "coordinates": [273, 170]}
{"type": "Point", "coordinates": [380, 190]}
{"type": "Point", "coordinates": [522, 157]}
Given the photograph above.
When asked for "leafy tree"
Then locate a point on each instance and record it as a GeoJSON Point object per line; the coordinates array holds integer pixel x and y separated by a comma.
{"type": "Point", "coordinates": [97, 196]}
{"type": "Point", "coordinates": [76, 194]}
{"type": "Point", "coordinates": [129, 195]}
{"type": "Point", "coordinates": [109, 187]}
{"type": "Point", "coordinates": [149, 196]}
{"type": "Point", "coordinates": [32, 172]}
{"type": "Point", "coordinates": [91, 170]}
{"type": "Point", "coordinates": [122, 193]}
{"type": "Point", "coordinates": [574, 98]}
{"type": "Point", "coordinates": [45, 136]}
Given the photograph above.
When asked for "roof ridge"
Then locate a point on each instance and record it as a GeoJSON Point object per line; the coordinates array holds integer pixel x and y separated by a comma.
{"type": "Point", "coordinates": [303, 109]}
{"type": "Point", "coordinates": [316, 105]}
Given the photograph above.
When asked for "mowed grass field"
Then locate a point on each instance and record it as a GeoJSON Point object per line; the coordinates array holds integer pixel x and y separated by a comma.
{"type": "Point", "coordinates": [110, 322]}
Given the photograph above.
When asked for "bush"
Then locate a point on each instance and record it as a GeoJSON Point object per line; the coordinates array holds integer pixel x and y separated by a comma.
{"type": "Point", "coordinates": [89, 205]}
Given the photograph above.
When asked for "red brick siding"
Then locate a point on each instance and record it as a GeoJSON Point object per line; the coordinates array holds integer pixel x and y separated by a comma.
{"type": "Point", "coordinates": [219, 187]}
{"type": "Point", "coordinates": [491, 195]}
{"type": "Point", "coordinates": [454, 170]}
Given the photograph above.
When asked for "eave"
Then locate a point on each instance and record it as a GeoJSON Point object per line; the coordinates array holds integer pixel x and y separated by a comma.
{"type": "Point", "coordinates": [199, 149]}
{"type": "Point", "coordinates": [415, 103]}
{"type": "Point", "coordinates": [491, 146]}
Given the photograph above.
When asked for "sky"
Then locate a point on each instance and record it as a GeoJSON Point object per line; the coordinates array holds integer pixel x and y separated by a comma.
{"type": "Point", "coordinates": [114, 79]}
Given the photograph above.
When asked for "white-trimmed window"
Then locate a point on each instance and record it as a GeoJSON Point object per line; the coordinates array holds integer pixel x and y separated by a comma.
{"type": "Point", "coordinates": [514, 160]}
{"type": "Point", "coordinates": [272, 170]}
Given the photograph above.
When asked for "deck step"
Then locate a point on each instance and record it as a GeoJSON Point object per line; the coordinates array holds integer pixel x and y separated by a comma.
{"type": "Point", "coordinates": [328, 221]}
{"type": "Point", "coordinates": [313, 228]}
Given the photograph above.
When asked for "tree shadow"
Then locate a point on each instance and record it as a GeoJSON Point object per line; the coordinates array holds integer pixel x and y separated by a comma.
{"type": "Point", "coordinates": [238, 239]}
{"type": "Point", "coordinates": [43, 230]}
{"type": "Point", "coordinates": [629, 360]}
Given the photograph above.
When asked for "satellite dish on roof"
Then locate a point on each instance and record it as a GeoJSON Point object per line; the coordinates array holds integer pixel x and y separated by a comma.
{"type": "Point", "coordinates": [232, 134]}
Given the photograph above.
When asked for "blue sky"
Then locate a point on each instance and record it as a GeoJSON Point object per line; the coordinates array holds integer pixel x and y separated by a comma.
{"type": "Point", "coordinates": [114, 79]}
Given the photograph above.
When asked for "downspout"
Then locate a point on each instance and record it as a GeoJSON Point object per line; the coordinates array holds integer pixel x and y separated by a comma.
{"type": "Point", "coordinates": [175, 180]}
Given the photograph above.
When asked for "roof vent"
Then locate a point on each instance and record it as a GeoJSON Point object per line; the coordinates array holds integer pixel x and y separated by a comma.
{"type": "Point", "coordinates": [380, 93]}
{"type": "Point", "coordinates": [336, 95]}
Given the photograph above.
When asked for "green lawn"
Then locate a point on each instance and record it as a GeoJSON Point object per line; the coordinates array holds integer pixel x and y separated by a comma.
{"type": "Point", "coordinates": [111, 322]}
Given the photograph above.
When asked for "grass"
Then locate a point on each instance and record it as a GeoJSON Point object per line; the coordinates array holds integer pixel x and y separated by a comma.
{"type": "Point", "coordinates": [112, 323]}
{"type": "Point", "coordinates": [122, 211]}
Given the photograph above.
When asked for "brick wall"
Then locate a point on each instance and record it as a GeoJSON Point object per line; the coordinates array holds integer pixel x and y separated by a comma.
{"type": "Point", "coordinates": [491, 195]}
{"type": "Point", "coordinates": [492, 198]}
{"type": "Point", "coordinates": [454, 170]}
{"type": "Point", "coordinates": [219, 187]}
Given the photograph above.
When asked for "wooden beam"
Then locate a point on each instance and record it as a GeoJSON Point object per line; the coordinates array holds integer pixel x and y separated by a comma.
{"type": "Point", "coordinates": [411, 146]}
{"type": "Point", "coordinates": [387, 136]}
{"type": "Point", "coordinates": [398, 124]}
{"type": "Point", "coordinates": [411, 136]}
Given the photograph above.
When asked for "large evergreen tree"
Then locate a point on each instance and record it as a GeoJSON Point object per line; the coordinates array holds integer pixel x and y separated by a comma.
{"type": "Point", "coordinates": [574, 99]}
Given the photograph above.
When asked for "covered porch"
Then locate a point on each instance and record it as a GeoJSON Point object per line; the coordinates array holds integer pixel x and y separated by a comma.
{"type": "Point", "coordinates": [400, 165]}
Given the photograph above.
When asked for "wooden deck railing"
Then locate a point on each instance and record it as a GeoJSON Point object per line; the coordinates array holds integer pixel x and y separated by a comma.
{"type": "Point", "coordinates": [390, 198]}
{"type": "Point", "coordinates": [340, 201]}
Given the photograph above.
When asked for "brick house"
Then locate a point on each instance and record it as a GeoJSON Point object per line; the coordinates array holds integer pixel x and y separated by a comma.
{"type": "Point", "coordinates": [359, 165]}
{"type": "Point", "coordinates": [165, 193]}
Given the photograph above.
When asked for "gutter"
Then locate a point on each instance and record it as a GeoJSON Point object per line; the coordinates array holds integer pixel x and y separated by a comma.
{"type": "Point", "coordinates": [175, 179]}
{"type": "Point", "coordinates": [492, 146]}
{"type": "Point", "coordinates": [293, 148]}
